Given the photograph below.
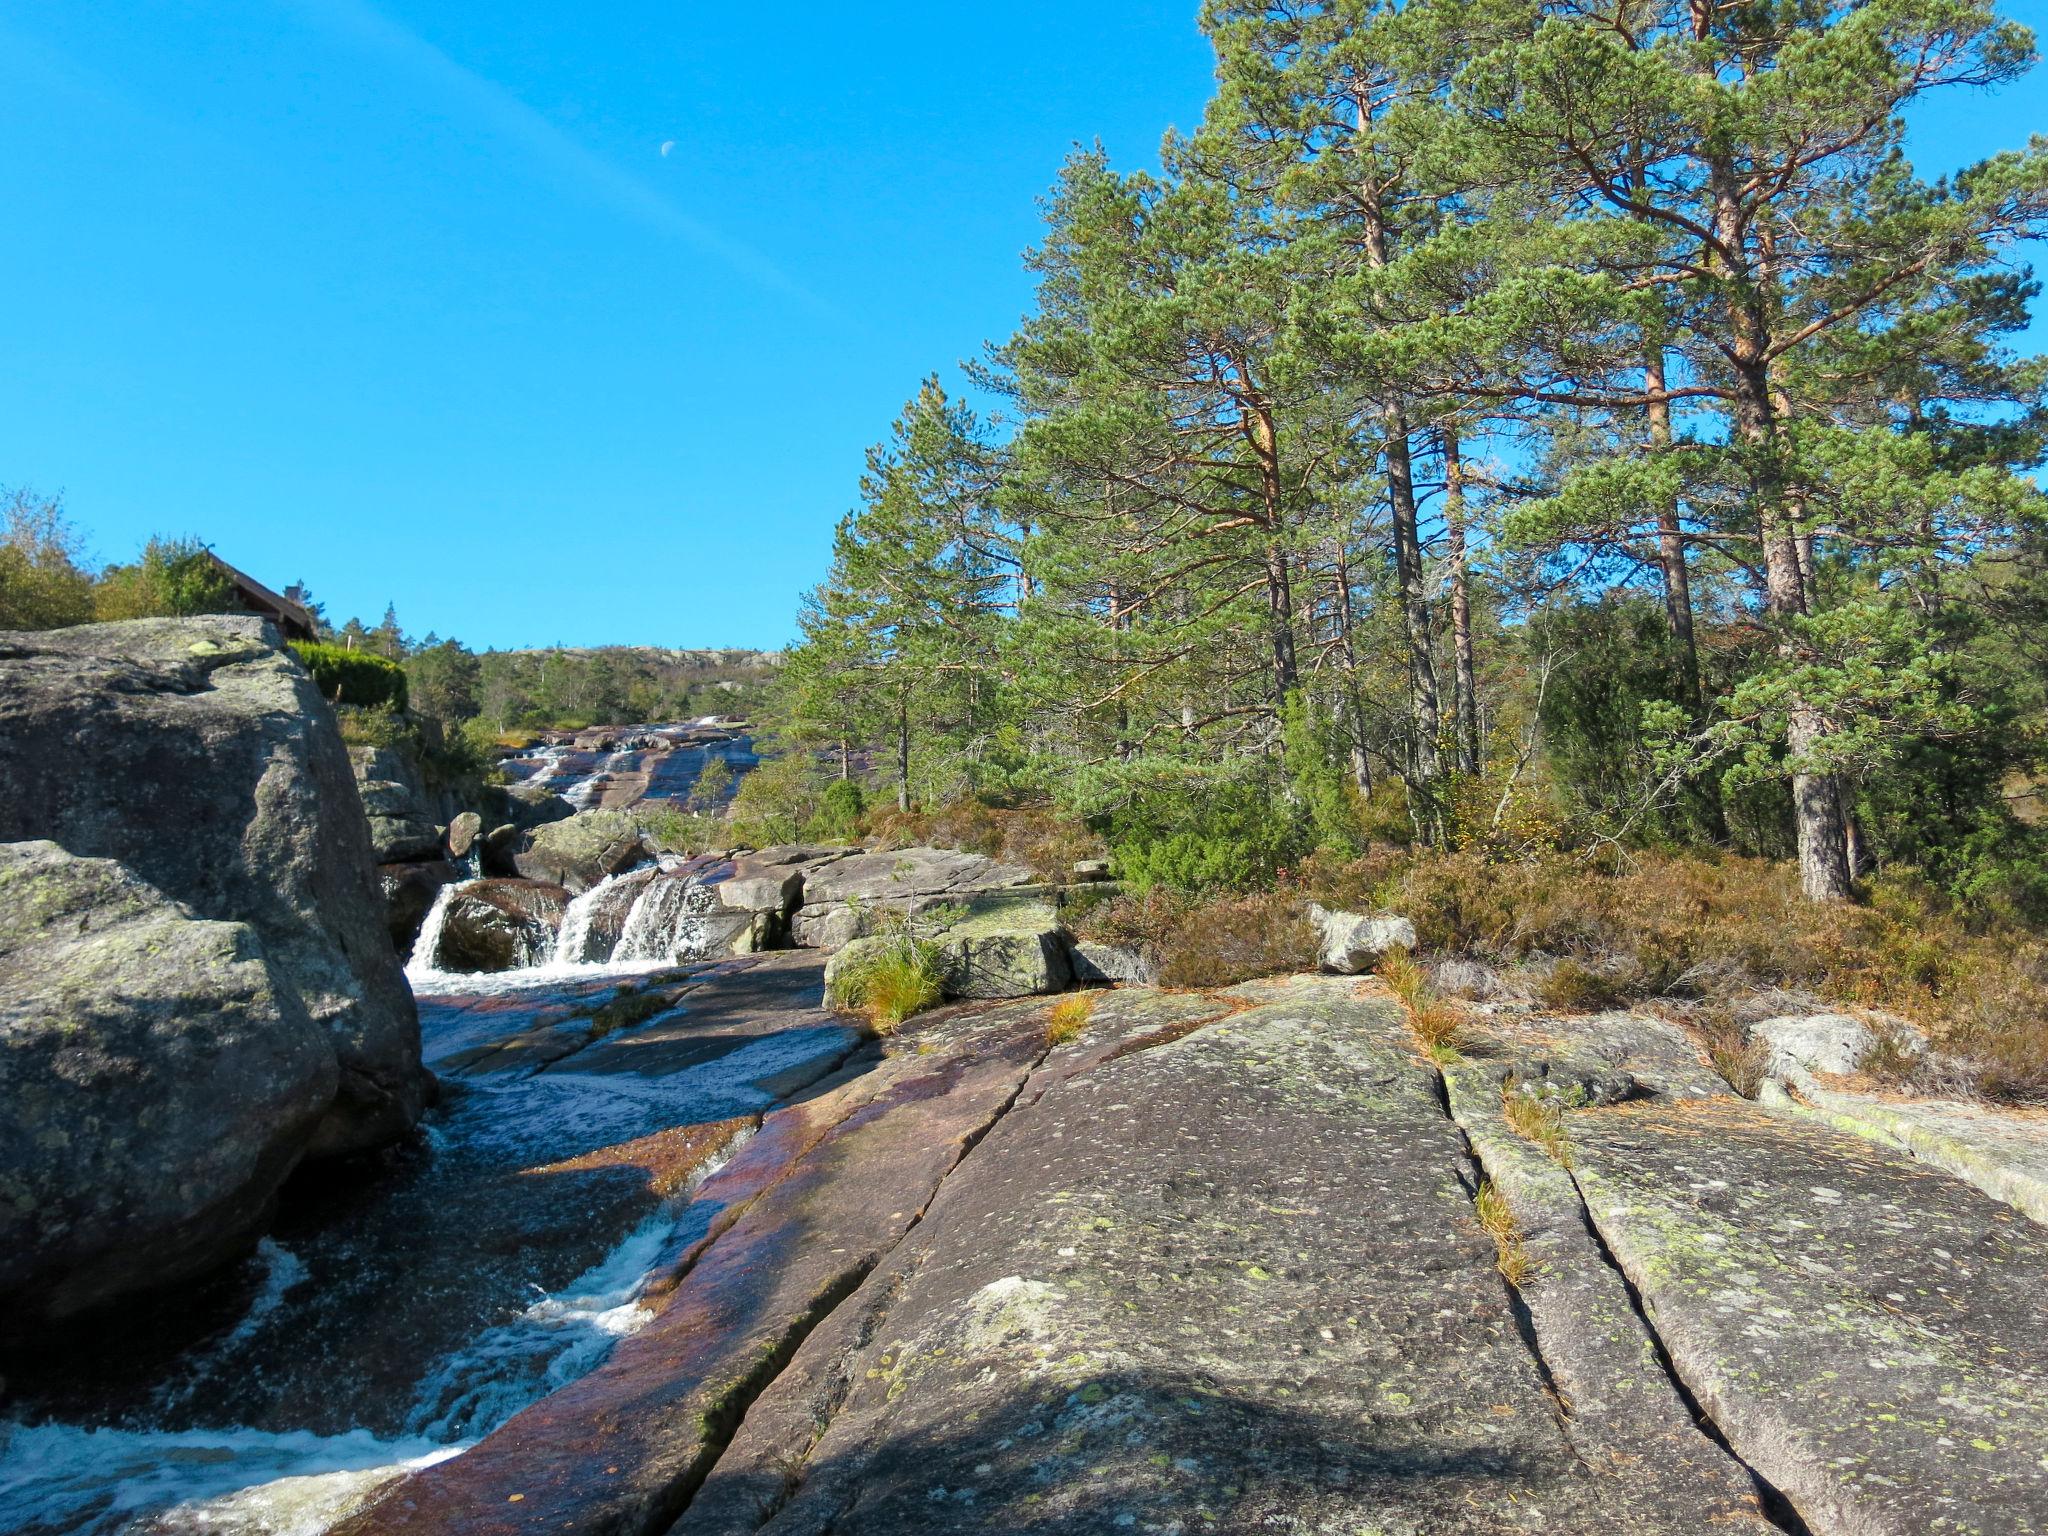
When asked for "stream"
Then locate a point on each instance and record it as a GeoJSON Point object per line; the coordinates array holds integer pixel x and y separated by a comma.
{"type": "Point", "coordinates": [403, 1306]}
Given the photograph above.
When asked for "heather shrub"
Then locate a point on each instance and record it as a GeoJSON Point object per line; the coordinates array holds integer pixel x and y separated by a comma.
{"type": "Point", "coordinates": [1208, 941]}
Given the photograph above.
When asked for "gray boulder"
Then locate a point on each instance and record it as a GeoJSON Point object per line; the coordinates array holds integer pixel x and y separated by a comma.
{"type": "Point", "coordinates": [901, 880]}
{"type": "Point", "coordinates": [757, 887]}
{"type": "Point", "coordinates": [526, 805]}
{"type": "Point", "coordinates": [1834, 1044]}
{"type": "Point", "coordinates": [1114, 963]}
{"type": "Point", "coordinates": [400, 826]}
{"type": "Point", "coordinates": [159, 1078]}
{"type": "Point", "coordinates": [582, 851]}
{"type": "Point", "coordinates": [199, 755]}
{"type": "Point", "coordinates": [1352, 941]}
{"type": "Point", "coordinates": [1005, 949]}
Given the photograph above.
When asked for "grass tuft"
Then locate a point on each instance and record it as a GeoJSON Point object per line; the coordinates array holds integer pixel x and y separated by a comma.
{"type": "Point", "coordinates": [895, 981]}
{"type": "Point", "coordinates": [1510, 1256]}
{"type": "Point", "coordinates": [1738, 1058]}
{"type": "Point", "coordinates": [1069, 1017]}
{"type": "Point", "coordinates": [1540, 1121]}
{"type": "Point", "coordinates": [1435, 1021]}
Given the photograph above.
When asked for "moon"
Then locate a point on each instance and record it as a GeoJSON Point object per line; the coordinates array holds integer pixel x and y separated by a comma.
{"type": "Point", "coordinates": [666, 146]}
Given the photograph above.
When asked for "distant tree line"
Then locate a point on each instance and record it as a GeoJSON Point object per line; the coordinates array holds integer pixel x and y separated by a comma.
{"type": "Point", "coordinates": [48, 582]}
{"type": "Point", "coordinates": [1503, 423]}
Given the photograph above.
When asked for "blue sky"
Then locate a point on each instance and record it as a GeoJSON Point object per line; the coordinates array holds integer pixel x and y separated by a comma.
{"type": "Point", "coordinates": [405, 299]}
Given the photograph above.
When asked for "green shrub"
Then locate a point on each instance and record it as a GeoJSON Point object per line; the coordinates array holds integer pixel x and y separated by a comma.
{"type": "Point", "coordinates": [175, 578]}
{"type": "Point", "coordinates": [352, 677]}
{"type": "Point", "coordinates": [1204, 834]}
{"type": "Point", "coordinates": [839, 812]}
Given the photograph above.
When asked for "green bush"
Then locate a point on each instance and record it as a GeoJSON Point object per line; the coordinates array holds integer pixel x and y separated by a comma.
{"type": "Point", "coordinates": [1209, 835]}
{"type": "Point", "coordinates": [839, 811]}
{"type": "Point", "coordinates": [353, 677]}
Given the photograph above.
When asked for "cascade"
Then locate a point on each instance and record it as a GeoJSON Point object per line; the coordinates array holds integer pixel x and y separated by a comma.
{"type": "Point", "coordinates": [666, 923]}
{"type": "Point", "coordinates": [572, 941]}
{"type": "Point", "coordinates": [427, 946]}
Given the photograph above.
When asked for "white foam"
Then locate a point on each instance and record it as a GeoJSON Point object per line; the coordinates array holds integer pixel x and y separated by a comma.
{"type": "Point", "coordinates": [118, 1482]}
{"type": "Point", "coordinates": [98, 1482]}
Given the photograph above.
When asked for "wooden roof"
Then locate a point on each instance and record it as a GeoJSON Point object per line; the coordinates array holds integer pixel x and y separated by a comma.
{"type": "Point", "coordinates": [294, 619]}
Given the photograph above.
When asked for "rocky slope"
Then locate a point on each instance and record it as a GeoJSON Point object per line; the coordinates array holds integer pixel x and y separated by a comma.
{"type": "Point", "coordinates": [1252, 1261]}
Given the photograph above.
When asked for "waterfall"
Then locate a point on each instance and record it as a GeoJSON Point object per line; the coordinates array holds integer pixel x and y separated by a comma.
{"type": "Point", "coordinates": [427, 946]}
{"type": "Point", "coordinates": [572, 941]}
{"type": "Point", "coordinates": [663, 921]}
{"type": "Point", "coordinates": [666, 923]}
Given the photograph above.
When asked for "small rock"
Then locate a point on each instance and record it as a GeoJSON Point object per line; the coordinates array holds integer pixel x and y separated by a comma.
{"type": "Point", "coordinates": [1117, 963]}
{"type": "Point", "coordinates": [1466, 979]}
{"type": "Point", "coordinates": [1831, 1043]}
{"type": "Point", "coordinates": [1352, 941]}
{"type": "Point", "coordinates": [463, 832]}
{"type": "Point", "coordinates": [1576, 1084]}
{"type": "Point", "coordinates": [1087, 870]}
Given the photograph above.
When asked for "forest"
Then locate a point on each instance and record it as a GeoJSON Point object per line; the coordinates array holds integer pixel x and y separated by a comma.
{"type": "Point", "coordinates": [1503, 428]}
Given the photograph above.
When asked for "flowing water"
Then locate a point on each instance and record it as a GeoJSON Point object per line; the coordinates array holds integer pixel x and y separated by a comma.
{"type": "Point", "coordinates": [402, 1308]}
{"type": "Point", "coordinates": [654, 762]}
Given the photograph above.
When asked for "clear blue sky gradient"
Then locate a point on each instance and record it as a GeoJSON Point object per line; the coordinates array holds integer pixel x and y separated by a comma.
{"type": "Point", "coordinates": [404, 298]}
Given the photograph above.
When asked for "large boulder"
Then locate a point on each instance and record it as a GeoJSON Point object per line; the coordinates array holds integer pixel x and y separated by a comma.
{"type": "Point", "coordinates": [1834, 1044]}
{"type": "Point", "coordinates": [757, 887]}
{"type": "Point", "coordinates": [159, 1078]}
{"type": "Point", "coordinates": [199, 755]}
{"type": "Point", "coordinates": [523, 805]}
{"type": "Point", "coordinates": [498, 925]}
{"type": "Point", "coordinates": [1116, 964]}
{"type": "Point", "coordinates": [399, 829]}
{"type": "Point", "coordinates": [1353, 941]}
{"type": "Point", "coordinates": [584, 850]}
{"type": "Point", "coordinates": [1005, 948]}
{"type": "Point", "coordinates": [844, 899]}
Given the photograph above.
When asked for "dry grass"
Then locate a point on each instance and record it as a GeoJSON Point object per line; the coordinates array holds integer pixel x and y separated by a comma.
{"type": "Point", "coordinates": [1208, 941]}
{"type": "Point", "coordinates": [1539, 1121]}
{"type": "Point", "coordinates": [1737, 1057]}
{"type": "Point", "coordinates": [1434, 1020]}
{"type": "Point", "coordinates": [1712, 929]}
{"type": "Point", "coordinates": [1510, 1257]}
{"type": "Point", "coordinates": [1069, 1016]}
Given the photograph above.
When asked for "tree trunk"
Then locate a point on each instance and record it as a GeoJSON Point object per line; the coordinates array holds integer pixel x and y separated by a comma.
{"type": "Point", "coordinates": [1424, 764]}
{"type": "Point", "coordinates": [1467, 677]}
{"type": "Point", "coordinates": [1671, 542]}
{"type": "Point", "coordinates": [1816, 798]}
{"type": "Point", "coordinates": [1264, 436]}
{"type": "Point", "coordinates": [903, 753]}
{"type": "Point", "coordinates": [1280, 605]}
{"type": "Point", "coordinates": [1354, 703]}
{"type": "Point", "coordinates": [1426, 708]}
